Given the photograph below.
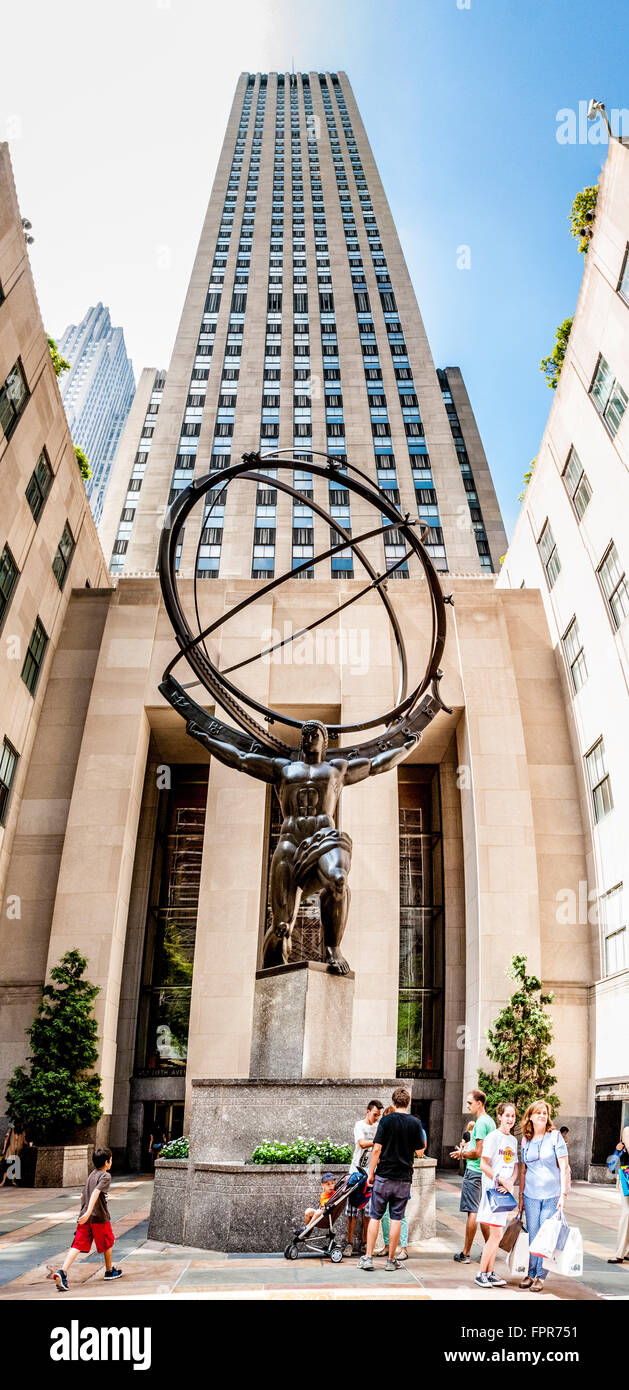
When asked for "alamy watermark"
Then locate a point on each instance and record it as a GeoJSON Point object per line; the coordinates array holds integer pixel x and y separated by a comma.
{"type": "Point", "coordinates": [324, 647]}
{"type": "Point", "coordinates": [587, 125]}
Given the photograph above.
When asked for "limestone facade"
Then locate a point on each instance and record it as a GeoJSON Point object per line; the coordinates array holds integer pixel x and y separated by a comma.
{"type": "Point", "coordinates": [571, 543]}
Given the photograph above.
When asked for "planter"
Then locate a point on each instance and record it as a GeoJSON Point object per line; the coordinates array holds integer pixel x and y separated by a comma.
{"type": "Point", "coordinates": [238, 1207]}
{"type": "Point", "coordinates": [62, 1165]}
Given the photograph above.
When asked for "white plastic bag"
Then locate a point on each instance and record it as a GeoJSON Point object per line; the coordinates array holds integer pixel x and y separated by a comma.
{"type": "Point", "coordinates": [518, 1258]}
{"type": "Point", "coordinates": [568, 1261]}
{"type": "Point", "coordinates": [546, 1239]}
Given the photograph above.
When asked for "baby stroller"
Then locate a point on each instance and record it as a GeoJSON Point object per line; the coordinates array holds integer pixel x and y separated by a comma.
{"type": "Point", "coordinates": [317, 1237]}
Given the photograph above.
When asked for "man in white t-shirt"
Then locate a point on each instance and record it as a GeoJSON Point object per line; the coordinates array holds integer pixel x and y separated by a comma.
{"type": "Point", "coordinates": [364, 1132]}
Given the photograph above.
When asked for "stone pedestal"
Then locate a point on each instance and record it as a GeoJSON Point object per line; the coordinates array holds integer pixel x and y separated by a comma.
{"type": "Point", "coordinates": [302, 1023]}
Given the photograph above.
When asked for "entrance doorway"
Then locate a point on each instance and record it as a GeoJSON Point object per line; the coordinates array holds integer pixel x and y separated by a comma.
{"type": "Point", "coordinates": [163, 1121]}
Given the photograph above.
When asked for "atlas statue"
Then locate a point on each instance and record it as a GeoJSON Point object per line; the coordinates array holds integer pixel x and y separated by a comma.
{"type": "Point", "coordinates": [313, 856]}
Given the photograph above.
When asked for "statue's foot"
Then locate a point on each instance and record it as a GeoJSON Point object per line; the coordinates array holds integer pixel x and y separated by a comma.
{"type": "Point", "coordinates": [337, 963]}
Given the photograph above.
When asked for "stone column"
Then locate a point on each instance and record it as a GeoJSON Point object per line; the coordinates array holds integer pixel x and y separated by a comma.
{"type": "Point", "coordinates": [94, 882]}
{"type": "Point", "coordinates": [225, 958]}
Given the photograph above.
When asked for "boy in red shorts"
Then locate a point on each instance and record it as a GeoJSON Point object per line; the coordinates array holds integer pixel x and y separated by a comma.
{"type": "Point", "coordinates": [93, 1224]}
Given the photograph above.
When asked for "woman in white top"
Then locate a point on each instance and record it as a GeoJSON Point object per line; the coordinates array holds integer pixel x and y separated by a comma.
{"type": "Point", "coordinates": [498, 1163]}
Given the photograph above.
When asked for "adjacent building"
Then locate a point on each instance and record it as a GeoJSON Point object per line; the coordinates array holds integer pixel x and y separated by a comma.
{"type": "Point", "coordinates": [572, 543]}
{"type": "Point", "coordinates": [51, 568]}
{"type": "Point", "coordinates": [97, 393]}
{"type": "Point", "coordinates": [300, 331]}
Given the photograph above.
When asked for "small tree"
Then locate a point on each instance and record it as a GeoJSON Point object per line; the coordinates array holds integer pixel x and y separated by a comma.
{"type": "Point", "coordinates": [81, 459]}
{"type": "Point", "coordinates": [59, 363]}
{"type": "Point", "coordinates": [581, 217]}
{"type": "Point", "coordinates": [551, 366]}
{"type": "Point", "coordinates": [518, 1044]}
{"type": "Point", "coordinates": [60, 1092]}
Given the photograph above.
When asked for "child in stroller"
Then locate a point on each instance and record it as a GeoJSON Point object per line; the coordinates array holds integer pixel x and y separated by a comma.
{"type": "Point", "coordinates": [317, 1235]}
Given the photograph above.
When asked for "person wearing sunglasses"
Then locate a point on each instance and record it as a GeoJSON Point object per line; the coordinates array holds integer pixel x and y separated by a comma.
{"type": "Point", "coordinates": [544, 1178]}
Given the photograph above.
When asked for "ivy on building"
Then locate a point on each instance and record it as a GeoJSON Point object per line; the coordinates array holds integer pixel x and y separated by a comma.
{"type": "Point", "coordinates": [81, 459]}
{"type": "Point", "coordinates": [58, 362]}
{"type": "Point", "coordinates": [582, 215]}
{"type": "Point", "coordinates": [551, 366]}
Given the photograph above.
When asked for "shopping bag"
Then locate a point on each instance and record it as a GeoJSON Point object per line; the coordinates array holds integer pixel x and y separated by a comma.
{"type": "Point", "coordinates": [510, 1234]}
{"type": "Point", "coordinates": [568, 1261]}
{"type": "Point", "coordinates": [564, 1232]}
{"type": "Point", "coordinates": [501, 1201]}
{"type": "Point", "coordinates": [546, 1239]}
{"type": "Point", "coordinates": [518, 1258]}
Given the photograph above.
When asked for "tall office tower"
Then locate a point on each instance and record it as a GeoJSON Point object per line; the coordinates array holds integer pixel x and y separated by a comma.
{"type": "Point", "coordinates": [97, 393]}
{"type": "Point", "coordinates": [301, 331]}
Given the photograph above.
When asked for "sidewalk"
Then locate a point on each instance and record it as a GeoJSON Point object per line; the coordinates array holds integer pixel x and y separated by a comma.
{"type": "Point", "coordinates": [36, 1228]}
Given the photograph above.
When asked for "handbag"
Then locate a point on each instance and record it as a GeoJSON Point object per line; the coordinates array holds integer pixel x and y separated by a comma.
{"type": "Point", "coordinates": [613, 1162]}
{"type": "Point", "coordinates": [501, 1201]}
{"type": "Point", "coordinates": [510, 1234]}
{"type": "Point", "coordinates": [624, 1181]}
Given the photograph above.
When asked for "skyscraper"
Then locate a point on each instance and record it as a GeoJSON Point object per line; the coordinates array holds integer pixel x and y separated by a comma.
{"type": "Point", "coordinates": [97, 393]}
{"type": "Point", "coordinates": [301, 331]}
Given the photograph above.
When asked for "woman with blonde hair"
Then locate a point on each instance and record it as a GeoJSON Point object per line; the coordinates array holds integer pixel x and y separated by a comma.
{"type": "Point", "coordinates": [544, 1178]}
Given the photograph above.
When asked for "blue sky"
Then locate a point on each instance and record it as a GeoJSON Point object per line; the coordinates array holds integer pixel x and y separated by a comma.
{"type": "Point", "coordinates": [115, 116]}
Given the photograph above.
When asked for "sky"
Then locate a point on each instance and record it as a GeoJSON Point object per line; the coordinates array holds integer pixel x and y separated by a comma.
{"type": "Point", "coordinates": [115, 115]}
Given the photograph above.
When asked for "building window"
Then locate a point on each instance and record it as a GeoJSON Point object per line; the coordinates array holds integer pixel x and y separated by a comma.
{"type": "Point", "coordinates": [623, 287]}
{"type": "Point", "coordinates": [608, 395]}
{"type": "Point", "coordinates": [13, 397]}
{"type": "Point", "coordinates": [61, 562]}
{"type": "Point", "coordinates": [8, 579]}
{"type": "Point", "coordinates": [8, 764]}
{"type": "Point", "coordinates": [34, 657]}
{"type": "Point", "coordinates": [573, 652]}
{"type": "Point", "coordinates": [171, 920]}
{"type": "Point", "coordinates": [598, 778]}
{"type": "Point", "coordinates": [613, 582]}
{"type": "Point", "coordinates": [548, 552]}
{"type": "Point", "coordinates": [614, 931]}
{"type": "Point", "coordinates": [577, 483]}
{"type": "Point", "coordinates": [420, 1005]}
{"type": "Point", "coordinates": [39, 485]}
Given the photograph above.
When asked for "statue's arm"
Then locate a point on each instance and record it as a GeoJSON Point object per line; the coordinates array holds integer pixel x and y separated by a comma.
{"type": "Point", "coordinates": [258, 765]}
{"type": "Point", "coordinates": [383, 762]}
{"type": "Point", "coordinates": [359, 768]}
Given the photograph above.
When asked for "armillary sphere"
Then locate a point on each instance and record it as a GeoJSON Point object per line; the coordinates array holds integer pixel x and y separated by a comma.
{"type": "Point", "coordinates": [413, 709]}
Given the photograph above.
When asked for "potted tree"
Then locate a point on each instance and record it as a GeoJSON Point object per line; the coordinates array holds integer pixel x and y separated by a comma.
{"type": "Point", "coordinates": [58, 1094]}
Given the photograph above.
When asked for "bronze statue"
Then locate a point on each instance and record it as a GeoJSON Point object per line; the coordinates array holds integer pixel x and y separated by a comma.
{"type": "Point", "coordinates": [312, 857]}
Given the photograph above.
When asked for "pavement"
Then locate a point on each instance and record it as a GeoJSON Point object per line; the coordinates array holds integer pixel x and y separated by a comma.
{"type": "Point", "coordinates": [37, 1227]}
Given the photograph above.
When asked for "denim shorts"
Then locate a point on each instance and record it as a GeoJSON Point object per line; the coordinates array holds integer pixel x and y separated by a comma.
{"type": "Point", "coordinates": [471, 1190]}
{"type": "Point", "coordinates": [389, 1192]}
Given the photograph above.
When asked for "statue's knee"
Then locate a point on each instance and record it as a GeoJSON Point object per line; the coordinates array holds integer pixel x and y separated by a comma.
{"type": "Point", "coordinates": [339, 881]}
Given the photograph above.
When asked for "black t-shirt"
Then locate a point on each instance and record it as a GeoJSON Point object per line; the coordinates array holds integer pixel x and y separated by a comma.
{"type": "Point", "coordinates": [400, 1135]}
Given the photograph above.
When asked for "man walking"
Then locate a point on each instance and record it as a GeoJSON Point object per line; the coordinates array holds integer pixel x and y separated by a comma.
{"type": "Point", "coordinates": [364, 1131]}
{"type": "Point", "coordinates": [398, 1138]}
{"type": "Point", "coordinates": [472, 1179]}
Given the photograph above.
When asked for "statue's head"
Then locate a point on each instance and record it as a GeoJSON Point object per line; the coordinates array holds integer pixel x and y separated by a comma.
{"type": "Point", "coordinates": [314, 739]}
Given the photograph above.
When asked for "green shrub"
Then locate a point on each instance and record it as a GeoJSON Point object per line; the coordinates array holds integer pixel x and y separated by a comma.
{"type": "Point", "coordinates": [176, 1148]}
{"type": "Point", "coordinates": [302, 1151]}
